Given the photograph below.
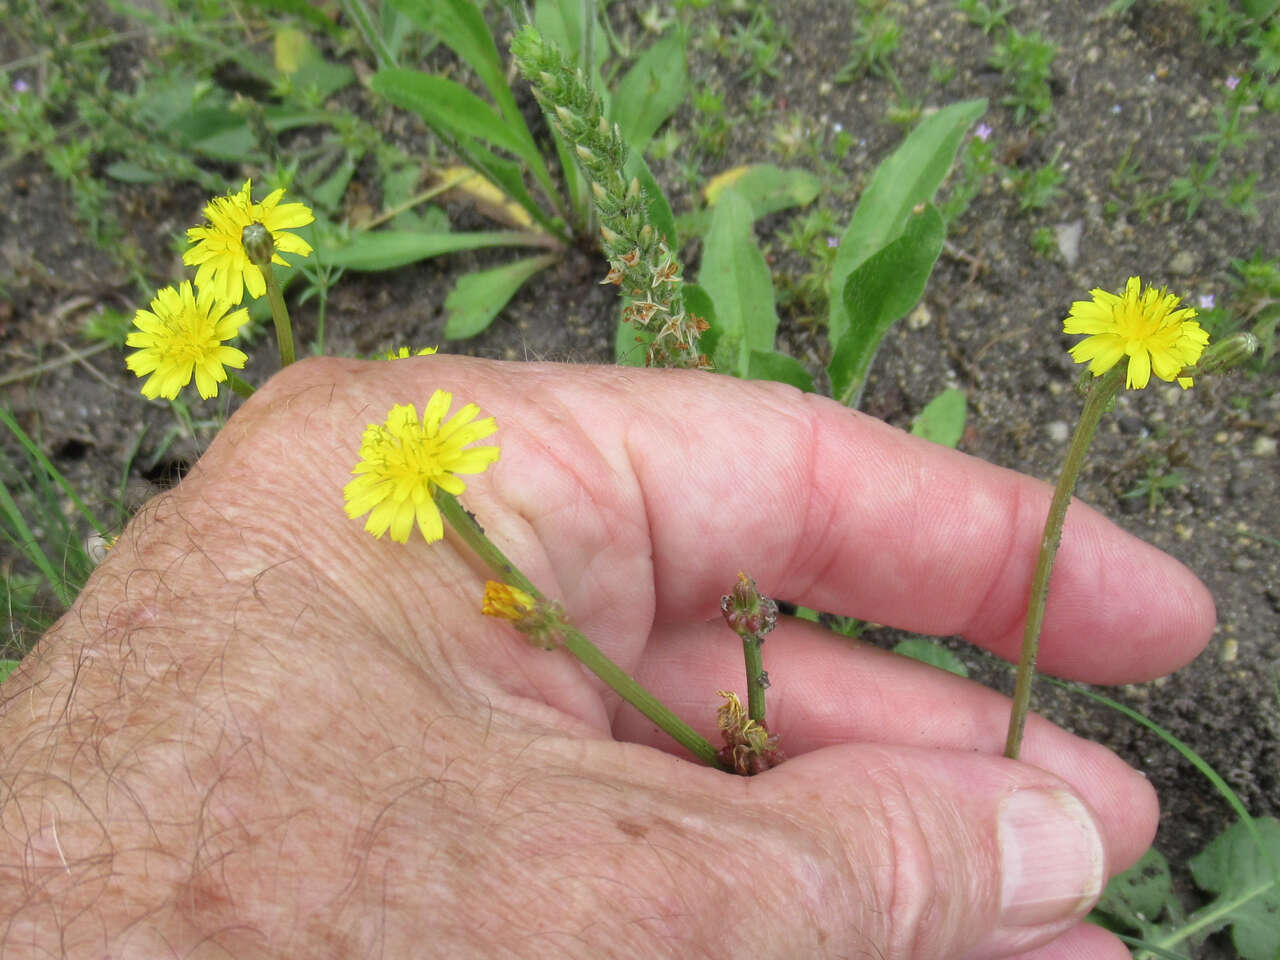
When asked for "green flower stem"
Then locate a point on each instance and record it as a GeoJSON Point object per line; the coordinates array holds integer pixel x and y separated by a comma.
{"type": "Point", "coordinates": [587, 652]}
{"type": "Point", "coordinates": [755, 672]}
{"type": "Point", "coordinates": [279, 313]}
{"type": "Point", "coordinates": [240, 386]}
{"type": "Point", "coordinates": [1100, 395]}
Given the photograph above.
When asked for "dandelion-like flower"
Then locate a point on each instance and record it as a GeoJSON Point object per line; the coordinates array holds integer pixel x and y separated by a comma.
{"type": "Point", "coordinates": [183, 335]}
{"type": "Point", "coordinates": [403, 460]}
{"type": "Point", "coordinates": [219, 252]}
{"type": "Point", "coordinates": [1145, 325]}
{"type": "Point", "coordinates": [506, 602]}
{"type": "Point", "coordinates": [404, 353]}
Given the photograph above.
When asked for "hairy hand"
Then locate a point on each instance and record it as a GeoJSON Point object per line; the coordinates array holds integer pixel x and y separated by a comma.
{"type": "Point", "coordinates": [260, 732]}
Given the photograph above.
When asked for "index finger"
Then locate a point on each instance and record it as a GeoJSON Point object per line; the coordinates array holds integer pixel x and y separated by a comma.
{"type": "Point", "coordinates": [839, 511]}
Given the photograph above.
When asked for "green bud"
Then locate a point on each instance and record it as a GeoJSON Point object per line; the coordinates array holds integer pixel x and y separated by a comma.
{"type": "Point", "coordinates": [585, 154]}
{"type": "Point", "coordinates": [1221, 356]}
{"type": "Point", "coordinates": [258, 244]}
{"type": "Point", "coordinates": [566, 116]}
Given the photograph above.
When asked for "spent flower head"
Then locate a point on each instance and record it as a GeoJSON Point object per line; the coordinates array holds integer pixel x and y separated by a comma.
{"type": "Point", "coordinates": [1146, 326]}
{"type": "Point", "coordinates": [403, 460]}
{"type": "Point", "coordinates": [182, 335]}
{"type": "Point", "coordinates": [218, 248]}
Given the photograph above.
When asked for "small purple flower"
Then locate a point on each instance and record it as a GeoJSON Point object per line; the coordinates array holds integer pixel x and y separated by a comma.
{"type": "Point", "coordinates": [1206, 301]}
{"type": "Point", "coordinates": [833, 242]}
{"type": "Point", "coordinates": [20, 85]}
{"type": "Point", "coordinates": [983, 132]}
{"type": "Point", "coordinates": [1232, 82]}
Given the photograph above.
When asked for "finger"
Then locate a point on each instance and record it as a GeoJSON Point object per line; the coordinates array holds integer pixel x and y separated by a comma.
{"type": "Point", "coordinates": [1084, 941]}
{"type": "Point", "coordinates": [827, 690]}
{"type": "Point", "coordinates": [862, 850]}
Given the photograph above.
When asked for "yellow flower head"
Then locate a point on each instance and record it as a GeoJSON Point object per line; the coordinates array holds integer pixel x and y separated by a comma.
{"type": "Point", "coordinates": [219, 253]}
{"type": "Point", "coordinates": [404, 353]}
{"type": "Point", "coordinates": [1144, 325]}
{"type": "Point", "coordinates": [506, 602]}
{"type": "Point", "coordinates": [182, 334]}
{"type": "Point", "coordinates": [403, 460]}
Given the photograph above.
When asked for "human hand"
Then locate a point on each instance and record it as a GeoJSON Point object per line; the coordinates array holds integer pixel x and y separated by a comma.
{"type": "Point", "coordinates": [261, 732]}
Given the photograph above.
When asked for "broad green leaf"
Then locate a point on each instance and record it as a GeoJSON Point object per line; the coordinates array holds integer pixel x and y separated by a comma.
{"type": "Point", "coordinates": [768, 188]}
{"type": "Point", "coordinates": [388, 249]}
{"type": "Point", "coordinates": [477, 297]}
{"type": "Point", "coordinates": [771, 365]}
{"type": "Point", "coordinates": [126, 171]}
{"type": "Point", "coordinates": [910, 176]}
{"type": "Point", "coordinates": [7, 667]}
{"type": "Point", "coordinates": [461, 26]}
{"type": "Point", "coordinates": [1260, 9]}
{"type": "Point", "coordinates": [942, 419]}
{"type": "Point", "coordinates": [651, 90]}
{"type": "Point", "coordinates": [881, 290]}
{"type": "Point", "coordinates": [328, 193]}
{"type": "Point", "coordinates": [215, 132]}
{"type": "Point", "coordinates": [1142, 898]}
{"type": "Point", "coordinates": [505, 173]}
{"type": "Point", "coordinates": [446, 105]}
{"type": "Point", "coordinates": [735, 275]}
{"type": "Point", "coordinates": [1245, 878]}
{"type": "Point", "coordinates": [660, 217]}
{"type": "Point", "coordinates": [933, 653]}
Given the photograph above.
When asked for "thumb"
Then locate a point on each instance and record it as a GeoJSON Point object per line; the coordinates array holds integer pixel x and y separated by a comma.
{"type": "Point", "coordinates": [929, 853]}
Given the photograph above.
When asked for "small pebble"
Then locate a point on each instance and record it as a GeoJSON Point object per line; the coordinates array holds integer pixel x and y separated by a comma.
{"type": "Point", "coordinates": [1058, 431]}
{"type": "Point", "coordinates": [1264, 447]}
{"type": "Point", "coordinates": [1230, 650]}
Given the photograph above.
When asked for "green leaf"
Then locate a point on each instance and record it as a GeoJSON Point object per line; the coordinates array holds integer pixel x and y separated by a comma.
{"type": "Point", "coordinates": [768, 188]}
{"type": "Point", "coordinates": [933, 653]}
{"type": "Point", "coordinates": [942, 419]}
{"type": "Point", "coordinates": [7, 667]}
{"type": "Point", "coordinates": [910, 176]}
{"type": "Point", "coordinates": [735, 275]}
{"type": "Point", "coordinates": [478, 296]}
{"type": "Point", "coordinates": [451, 107]}
{"type": "Point", "coordinates": [771, 365]}
{"type": "Point", "coordinates": [1259, 10]}
{"type": "Point", "coordinates": [881, 290]}
{"type": "Point", "coordinates": [651, 90]}
{"type": "Point", "coordinates": [1138, 898]}
{"type": "Point", "coordinates": [388, 249]}
{"type": "Point", "coordinates": [461, 26]}
{"type": "Point", "coordinates": [1243, 874]}
{"type": "Point", "coordinates": [126, 171]}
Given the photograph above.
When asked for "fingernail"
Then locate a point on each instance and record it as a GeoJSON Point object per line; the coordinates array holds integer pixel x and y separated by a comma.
{"type": "Point", "coordinates": [1051, 858]}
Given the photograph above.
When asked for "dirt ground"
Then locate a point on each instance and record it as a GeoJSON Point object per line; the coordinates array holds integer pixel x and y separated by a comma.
{"type": "Point", "coordinates": [1142, 85]}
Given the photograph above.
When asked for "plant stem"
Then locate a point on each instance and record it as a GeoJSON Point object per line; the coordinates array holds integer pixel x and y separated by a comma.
{"type": "Point", "coordinates": [575, 642]}
{"type": "Point", "coordinates": [755, 674]}
{"type": "Point", "coordinates": [1100, 395]}
{"type": "Point", "coordinates": [280, 314]}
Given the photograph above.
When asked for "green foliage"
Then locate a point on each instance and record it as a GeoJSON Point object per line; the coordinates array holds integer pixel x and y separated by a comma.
{"type": "Point", "coordinates": [929, 651]}
{"type": "Point", "coordinates": [988, 16]}
{"type": "Point", "coordinates": [1026, 60]}
{"type": "Point", "coordinates": [942, 419]}
{"type": "Point", "coordinates": [909, 177]}
{"type": "Point", "coordinates": [876, 35]}
{"type": "Point", "coordinates": [1039, 187]}
{"type": "Point", "coordinates": [7, 666]}
{"type": "Point", "coordinates": [1155, 482]}
{"type": "Point", "coordinates": [43, 534]}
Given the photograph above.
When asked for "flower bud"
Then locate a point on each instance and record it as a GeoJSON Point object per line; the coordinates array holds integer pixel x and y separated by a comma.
{"type": "Point", "coordinates": [1221, 356]}
{"type": "Point", "coordinates": [258, 244]}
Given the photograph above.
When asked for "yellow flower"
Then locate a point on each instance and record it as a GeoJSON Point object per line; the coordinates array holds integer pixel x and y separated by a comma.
{"type": "Point", "coordinates": [403, 460]}
{"type": "Point", "coordinates": [506, 602]}
{"type": "Point", "coordinates": [404, 354]}
{"type": "Point", "coordinates": [1145, 325]}
{"type": "Point", "coordinates": [182, 334]}
{"type": "Point", "coordinates": [219, 252]}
